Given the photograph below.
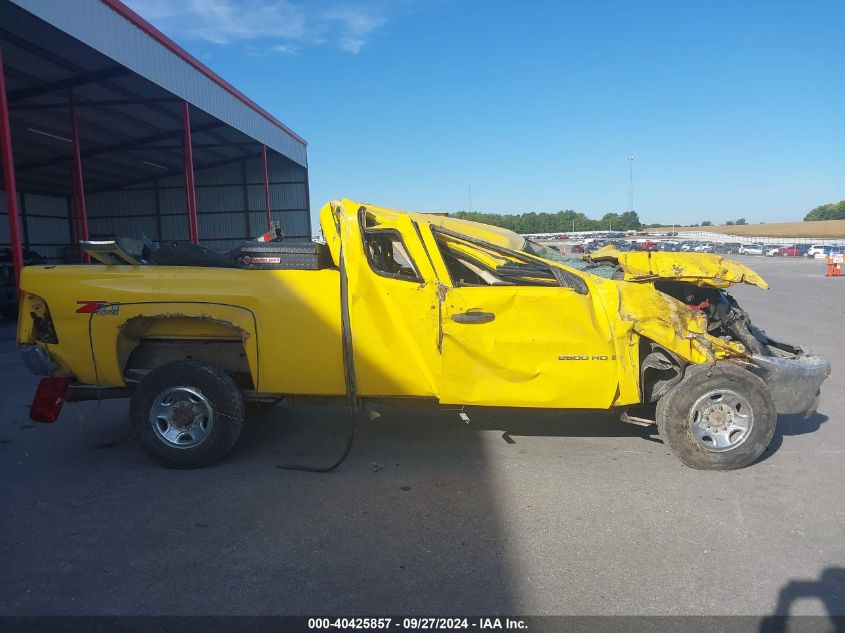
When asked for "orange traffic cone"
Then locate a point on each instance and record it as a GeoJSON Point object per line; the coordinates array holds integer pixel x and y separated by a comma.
{"type": "Point", "coordinates": [829, 272]}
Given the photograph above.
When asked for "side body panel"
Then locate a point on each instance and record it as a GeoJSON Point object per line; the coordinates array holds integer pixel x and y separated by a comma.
{"type": "Point", "coordinates": [289, 320]}
{"type": "Point", "coordinates": [394, 322]}
{"type": "Point", "coordinates": [546, 347]}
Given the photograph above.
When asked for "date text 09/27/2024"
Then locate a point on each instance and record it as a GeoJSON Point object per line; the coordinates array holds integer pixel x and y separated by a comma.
{"type": "Point", "coordinates": [416, 623]}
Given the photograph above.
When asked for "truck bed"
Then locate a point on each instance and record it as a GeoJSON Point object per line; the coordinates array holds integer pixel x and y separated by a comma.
{"type": "Point", "coordinates": [294, 313]}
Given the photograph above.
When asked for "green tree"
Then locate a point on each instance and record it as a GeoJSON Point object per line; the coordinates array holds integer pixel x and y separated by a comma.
{"type": "Point", "coordinates": [832, 211]}
{"type": "Point", "coordinates": [707, 223]}
{"type": "Point", "coordinates": [559, 222]}
{"type": "Point", "coordinates": [630, 221]}
{"type": "Point", "coordinates": [741, 221]}
{"type": "Point", "coordinates": [610, 222]}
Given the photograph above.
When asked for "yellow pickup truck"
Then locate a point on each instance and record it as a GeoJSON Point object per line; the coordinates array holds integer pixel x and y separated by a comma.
{"type": "Point", "coordinates": [421, 308]}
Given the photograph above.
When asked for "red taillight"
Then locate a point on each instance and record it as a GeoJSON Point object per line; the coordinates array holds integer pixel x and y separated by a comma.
{"type": "Point", "coordinates": [49, 399]}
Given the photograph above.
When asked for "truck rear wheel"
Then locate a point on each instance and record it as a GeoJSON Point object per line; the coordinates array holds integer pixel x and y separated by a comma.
{"type": "Point", "coordinates": [186, 414]}
{"type": "Point", "coordinates": [719, 417]}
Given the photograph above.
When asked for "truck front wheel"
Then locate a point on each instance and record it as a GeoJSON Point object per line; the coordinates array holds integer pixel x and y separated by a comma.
{"type": "Point", "coordinates": [186, 414]}
{"type": "Point", "coordinates": [719, 417]}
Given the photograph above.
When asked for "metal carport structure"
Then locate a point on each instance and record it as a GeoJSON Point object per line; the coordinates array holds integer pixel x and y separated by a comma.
{"type": "Point", "coordinates": [107, 127]}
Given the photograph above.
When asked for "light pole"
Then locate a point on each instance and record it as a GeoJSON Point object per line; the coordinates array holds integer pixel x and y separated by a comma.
{"type": "Point", "coordinates": [630, 159]}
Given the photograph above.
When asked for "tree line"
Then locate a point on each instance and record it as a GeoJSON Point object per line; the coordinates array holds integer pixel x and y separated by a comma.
{"type": "Point", "coordinates": [573, 221]}
{"type": "Point", "coordinates": [561, 222]}
{"type": "Point", "coordinates": [832, 211]}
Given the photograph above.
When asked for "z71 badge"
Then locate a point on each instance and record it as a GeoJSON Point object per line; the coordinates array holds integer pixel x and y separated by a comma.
{"type": "Point", "coordinates": [97, 307]}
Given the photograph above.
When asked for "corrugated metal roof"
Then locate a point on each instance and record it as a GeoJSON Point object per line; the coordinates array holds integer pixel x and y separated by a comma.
{"type": "Point", "coordinates": [114, 30]}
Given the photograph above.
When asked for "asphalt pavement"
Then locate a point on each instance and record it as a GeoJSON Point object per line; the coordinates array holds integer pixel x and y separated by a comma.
{"type": "Point", "coordinates": [520, 513]}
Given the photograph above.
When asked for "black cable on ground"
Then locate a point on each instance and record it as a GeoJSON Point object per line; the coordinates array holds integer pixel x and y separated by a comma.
{"type": "Point", "coordinates": [348, 357]}
{"type": "Point", "coordinates": [326, 469]}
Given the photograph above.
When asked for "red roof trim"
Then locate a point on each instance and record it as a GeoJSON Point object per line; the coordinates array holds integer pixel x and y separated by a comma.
{"type": "Point", "coordinates": [165, 41]}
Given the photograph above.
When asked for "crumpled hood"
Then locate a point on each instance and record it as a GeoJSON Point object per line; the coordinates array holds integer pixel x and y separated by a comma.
{"type": "Point", "coordinates": [701, 269]}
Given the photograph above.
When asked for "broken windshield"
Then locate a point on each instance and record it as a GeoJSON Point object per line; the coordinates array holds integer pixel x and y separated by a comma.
{"type": "Point", "coordinates": [572, 261]}
{"type": "Point", "coordinates": [473, 262]}
{"type": "Point", "coordinates": [547, 252]}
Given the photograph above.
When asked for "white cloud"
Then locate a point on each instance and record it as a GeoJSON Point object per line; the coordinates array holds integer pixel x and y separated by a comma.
{"type": "Point", "coordinates": [268, 26]}
{"type": "Point", "coordinates": [356, 26]}
{"type": "Point", "coordinates": [288, 49]}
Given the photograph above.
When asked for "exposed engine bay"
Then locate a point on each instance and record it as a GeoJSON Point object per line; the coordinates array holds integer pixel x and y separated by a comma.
{"type": "Point", "coordinates": [725, 318]}
{"type": "Point", "coordinates": [793, 376]}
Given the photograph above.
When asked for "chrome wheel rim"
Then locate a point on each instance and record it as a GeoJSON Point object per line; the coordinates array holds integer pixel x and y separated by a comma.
{"type": "Point", "coordinates": [182, 417]}
{"type": "Point", "coordinates": [721, 420]}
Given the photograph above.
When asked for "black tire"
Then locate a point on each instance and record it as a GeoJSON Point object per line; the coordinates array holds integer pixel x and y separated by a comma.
{"type": "Point", "coordinates": [217, 393]}
{"type": "Point", "coordinates": [675, 416]}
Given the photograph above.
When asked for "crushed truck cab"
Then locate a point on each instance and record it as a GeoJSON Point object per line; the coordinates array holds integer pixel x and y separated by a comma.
{"type": "Point", "coordinates": [427, 309]}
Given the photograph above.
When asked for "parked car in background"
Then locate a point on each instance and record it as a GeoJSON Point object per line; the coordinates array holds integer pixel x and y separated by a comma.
{"type": "Point", "coordinates": [729, 248]}
{"type": "Point", "coordinates": [669, 247]}
{"type": "Point", "coordinates": [827, 251]}
{"type": "Point", "coordinates": [751, 249]}
{"type": "Point", "coordinates": [648, 245]}
{"type": "Point", "coordinates": [815, 249]}
{"type": "Point", "coordinates": [590, 247]}
{"type": "Point", "coordinates": [706, 247]}
{"type": "Point", "coordinates": [789, 251]}
{"type": "Point", "coordinates": [623, 245]}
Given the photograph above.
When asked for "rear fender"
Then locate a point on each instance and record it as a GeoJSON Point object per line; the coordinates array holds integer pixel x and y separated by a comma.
{"type": "Point", "coordinates": [115, 330]}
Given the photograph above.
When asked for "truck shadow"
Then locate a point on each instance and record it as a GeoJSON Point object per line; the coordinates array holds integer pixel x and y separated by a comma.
{"type": "Point", "coordinates": [792, 426]}
{"type": "Point", "coordinates": [828, 589]}
{"type": "Point", "coordinates": [411, 522]}
{"type": "Point", "coordinates": [557, 424]}
{"type": "Point", "coordinates": [408, 523]}
{"type": "Point", "coordinates": [318, 433]}
{"type": "Point", "coordinates": [323, 441]}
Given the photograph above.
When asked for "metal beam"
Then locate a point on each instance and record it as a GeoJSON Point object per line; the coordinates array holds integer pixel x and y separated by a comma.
{"type": "Point", "coordinates": [118, 186]}
{"type": "Point", "coordinates": [71, 82]}
{"type": "Point", "coordinates": [80, 212]}
{"type": "Point", "coordinates": [245, 193]}
{"type": "Point", "coordinates": [123, 146]}
{"type": "Point", "coordinates": [9, 180]}
{"type": "Point", "coordinates": [266, 186]}
{"type": "Point", "coordinates": [123, 92]}
{"type": "Point", "coordinates": [27, 45]}
{"type": "Point", "coordinates": [190, 190]}
{"type": "Point", "coordinates": [252, 144]}
{"type": "Point", "coordinates": [105, 103]}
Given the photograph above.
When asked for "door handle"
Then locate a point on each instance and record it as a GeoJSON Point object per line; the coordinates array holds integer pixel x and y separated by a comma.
{"type": "Point", "coordinates": [473, 316]}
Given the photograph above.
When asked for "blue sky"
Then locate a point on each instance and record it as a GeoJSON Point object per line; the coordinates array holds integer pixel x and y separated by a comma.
{"type": "Point", "coordinates": [731, 109]}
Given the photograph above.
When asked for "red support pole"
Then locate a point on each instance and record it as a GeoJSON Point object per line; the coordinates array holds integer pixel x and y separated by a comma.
{"type": "Point", "coordinates": [80, 212]}
{"type": "Point", "coordinates": [190, 190]}
{"type": "Point", "coordinates": [266, 186]}
{"type": "Point", "coordinates": [9, 180]}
